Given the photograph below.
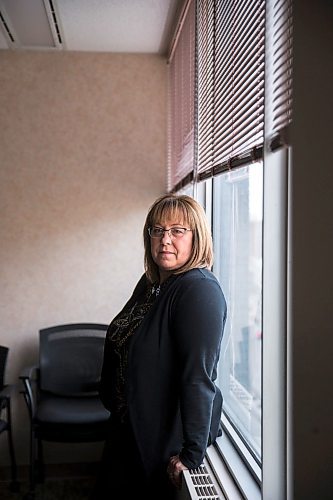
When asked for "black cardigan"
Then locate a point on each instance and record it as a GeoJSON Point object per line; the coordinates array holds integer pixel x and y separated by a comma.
{"type": "Point", "coordinates": [174, 405]}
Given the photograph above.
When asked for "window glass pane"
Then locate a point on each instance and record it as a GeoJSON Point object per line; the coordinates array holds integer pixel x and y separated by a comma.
{"type": "Point", "coordinates": [237, 232]}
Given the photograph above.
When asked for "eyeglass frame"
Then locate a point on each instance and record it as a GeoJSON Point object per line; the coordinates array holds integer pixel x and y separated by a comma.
{"type": "Point", "coordinates": [169, 231]}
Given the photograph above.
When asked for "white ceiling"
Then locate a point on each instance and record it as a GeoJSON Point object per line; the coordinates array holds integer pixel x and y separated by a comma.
{"type": "Point", "coordinates": [143, 26]}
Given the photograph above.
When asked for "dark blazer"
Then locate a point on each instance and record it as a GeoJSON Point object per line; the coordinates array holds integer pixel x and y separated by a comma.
{"type": "Point", "coordinates": [174, 405]}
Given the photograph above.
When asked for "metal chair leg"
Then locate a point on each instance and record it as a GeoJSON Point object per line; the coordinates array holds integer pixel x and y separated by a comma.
{"type": "Point", "coordinates": [32, 476]}
{"type": "Point", "coordinates": [40, 462]}
{"type": "Point", "coordinates": [14, 485]}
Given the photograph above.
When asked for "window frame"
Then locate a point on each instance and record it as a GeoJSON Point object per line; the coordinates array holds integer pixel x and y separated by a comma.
{"type": "Point", "coordinates": [233, 466]}
{"type": "Point", "coordinates": [230, 453]}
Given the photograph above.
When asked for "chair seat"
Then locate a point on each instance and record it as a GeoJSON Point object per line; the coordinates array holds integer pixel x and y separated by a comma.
{"type": "Point", "coordinates": [60, 410]}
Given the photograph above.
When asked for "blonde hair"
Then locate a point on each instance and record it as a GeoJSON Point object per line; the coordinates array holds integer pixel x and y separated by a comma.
{"type": "Point", "coordinates": [171, 207]}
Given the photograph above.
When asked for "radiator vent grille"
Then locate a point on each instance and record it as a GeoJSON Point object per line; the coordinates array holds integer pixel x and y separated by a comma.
{"type": "Point", "coordinates": [203, 484]}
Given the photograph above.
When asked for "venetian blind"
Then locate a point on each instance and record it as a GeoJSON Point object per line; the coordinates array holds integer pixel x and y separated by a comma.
{"type": "Point", "coordinates": [280, 33]}
{"type": "Point", "coordinates": [231, 36]}
{"type": "Point", "coordinates": [182, 101]}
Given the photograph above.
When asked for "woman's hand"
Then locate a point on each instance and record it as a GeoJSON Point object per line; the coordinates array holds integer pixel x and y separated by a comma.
{"type": "Point", "coordinates": [174, 471]}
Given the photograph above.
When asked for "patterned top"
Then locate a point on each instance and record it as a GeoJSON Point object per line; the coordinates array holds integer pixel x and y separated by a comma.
{"type": "Point", "coordinates": [120, 331]}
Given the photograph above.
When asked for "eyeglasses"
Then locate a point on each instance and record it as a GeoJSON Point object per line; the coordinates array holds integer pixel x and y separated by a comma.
{"type": "Point", "coordinates": [174, 232]}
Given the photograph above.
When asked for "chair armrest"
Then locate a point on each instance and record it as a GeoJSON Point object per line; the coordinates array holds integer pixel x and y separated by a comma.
{"type": "Point", "coordinates": [29, 376]}
{"type": "Point", "coordinates": [6, 394]}
{"type": "Point", "coordinates": [29, 372]}
{"type": "Point", "coordinates": [4, 399]}
{"type": "Point", "coordinates": [7, 391]}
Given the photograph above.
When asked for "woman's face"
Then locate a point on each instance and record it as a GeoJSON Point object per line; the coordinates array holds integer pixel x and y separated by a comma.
{"type": "Point", "coordinates": [170, 252]}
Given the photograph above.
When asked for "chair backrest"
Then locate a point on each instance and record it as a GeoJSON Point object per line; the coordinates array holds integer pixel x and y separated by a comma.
{"type": "Point", "coordinates": [3, 359]}
{"type": "Point", "coordinates": [70, 358]}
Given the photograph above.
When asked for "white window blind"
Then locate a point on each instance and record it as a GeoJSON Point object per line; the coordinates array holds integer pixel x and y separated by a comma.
{"type": "Point", "coordinates": [205, 103]}
{"type": "Point", "coordinates": [231, 37]}
{"type": "Point", "coordinates": [216, 87]}
{"type": "Point", "coordinates": [279, 116]}
{"type": "Point", "coordinates": [182, 100]}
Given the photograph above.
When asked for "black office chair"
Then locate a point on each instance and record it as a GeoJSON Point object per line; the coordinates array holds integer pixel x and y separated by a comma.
{"type": "Point", "coordinates": [62, 391]}
{"type": "Point", "coordinates": [5, 415]}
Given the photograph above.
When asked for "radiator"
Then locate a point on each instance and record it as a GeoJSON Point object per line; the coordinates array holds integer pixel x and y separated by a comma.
{"type": "Point", "coordinates": [200, 484]}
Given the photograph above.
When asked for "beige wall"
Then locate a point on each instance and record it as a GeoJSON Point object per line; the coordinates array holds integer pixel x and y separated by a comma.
{"type": "Point", "coordinates": [82, 156]}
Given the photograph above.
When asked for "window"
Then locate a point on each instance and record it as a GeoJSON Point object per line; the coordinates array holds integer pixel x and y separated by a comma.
{"type": "Point", "coordinates": [243, 81]}
{"type": "Point", "coordinates": [237, 230]}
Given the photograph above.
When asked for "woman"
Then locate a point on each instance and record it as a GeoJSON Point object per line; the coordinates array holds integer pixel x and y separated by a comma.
{"type": "Point", "coordinates": [160, 358]}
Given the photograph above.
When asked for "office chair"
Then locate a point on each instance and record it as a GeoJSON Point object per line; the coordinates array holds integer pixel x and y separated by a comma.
{"type": "Point", "coordinates": [5, 420]}
{"type": "Point", "coordinates": [61, 392]}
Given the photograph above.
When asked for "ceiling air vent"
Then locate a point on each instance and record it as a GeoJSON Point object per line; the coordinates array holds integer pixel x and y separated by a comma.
{"type": "Point", "coordinates": [30, 25]}
{"type": "Point", "coordinates": [55, 21]}
{"type": "Point", "coordinates": [6, 28]}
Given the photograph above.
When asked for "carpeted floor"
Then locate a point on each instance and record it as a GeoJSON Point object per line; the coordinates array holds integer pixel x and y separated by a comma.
{"type": "Point", "coordinates": [53, 489]}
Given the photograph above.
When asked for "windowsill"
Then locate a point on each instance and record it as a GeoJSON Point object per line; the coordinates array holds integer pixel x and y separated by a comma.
{"type": "Point", "coordinates": [231, 470]}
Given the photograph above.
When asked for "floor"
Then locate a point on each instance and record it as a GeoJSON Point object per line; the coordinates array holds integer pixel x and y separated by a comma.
{"type": "Point", "coordinates": [52, 489]}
